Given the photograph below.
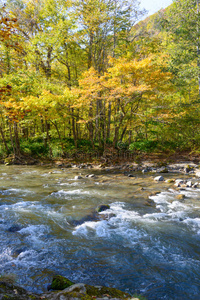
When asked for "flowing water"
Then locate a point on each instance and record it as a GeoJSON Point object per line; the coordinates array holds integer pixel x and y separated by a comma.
{"type": "Point", "coordinates": [152, 248]}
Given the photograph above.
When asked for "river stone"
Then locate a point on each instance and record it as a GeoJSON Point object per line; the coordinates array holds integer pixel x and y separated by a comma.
{"type": "Point", "coordinates": [171, 180]}
{"type": "Point", "coordinates": [159, 178]}
{"type": "Point", "coordinates": [78, 177]}
{"type": "Point", "coordinates": [189, 184]}
{"type": "Point", "coordinates": [14, 228]}
{"type": "Point", "coordinates": [198, 174]}
{"type": "Point", "coordinates": [102, 207]}
{"type": "Point", "coordinates": [91, 176]}
{"type": "Point", "coordinates": [195, 185]}
{"type": "Point", "coordinates": [179, 182]}
{"type": "Point", "coordinates": [60, 283]}
{"type": "Point", "coordinates": [163, 170]}
{"type": "Point", "coordinates": [187, 169]}
{"type": "Point", "coordinates": [180, 197]}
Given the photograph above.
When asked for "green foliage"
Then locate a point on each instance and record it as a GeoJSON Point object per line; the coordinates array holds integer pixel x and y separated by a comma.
{"type": "Point", "coordinates": [143, 146]}
{"type": "Point", "coordinates": [80, 69]}
{"type": "Point", "coordinates": [34, 147]}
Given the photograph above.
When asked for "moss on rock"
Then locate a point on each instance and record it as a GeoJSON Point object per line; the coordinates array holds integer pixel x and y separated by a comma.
{"type": "Point", "coordinates": [102, 291]}
{"type": "Point", "coordinates": [60, 283]}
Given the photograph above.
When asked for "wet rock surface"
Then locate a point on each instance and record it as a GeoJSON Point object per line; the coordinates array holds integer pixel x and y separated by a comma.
{"type": "Point", "coordinates": [94, 216]}
{"type": "Point", "coordinates": [64, 290]}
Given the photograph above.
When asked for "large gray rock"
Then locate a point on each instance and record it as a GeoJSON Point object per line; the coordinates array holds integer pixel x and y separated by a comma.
{"type": "Point", "coordinates": [159, 178]}
{"type": "Point", "coordinates": [179, 182]}
{"type": "Point", "coordinates": [189, 184]}
{"type": "Point", "coordinates": [78, 177]}
{"type": "Point", "coordinates": [197, 173]}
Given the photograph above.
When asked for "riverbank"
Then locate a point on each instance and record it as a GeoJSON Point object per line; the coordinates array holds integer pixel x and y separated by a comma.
{"type": "Point", "coordinates": [109, 160]}
{"type": "Point", "coordinates": [10, 291]}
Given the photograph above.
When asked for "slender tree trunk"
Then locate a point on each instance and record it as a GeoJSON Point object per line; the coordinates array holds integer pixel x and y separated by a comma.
{"type": "Point", "coordinates": [48, 137]}
{"type": "Point", "coordinates": [90, 50]}
{"type": "Point", "coordinates": [17, 143]}
{"type": "Point", "coordinates": [4, 140]}
{"type": "Point", "coordinates": [109, 121]}
{"type": "Point", "coordinates": [58, 132]}
{"type": "Point", "coordinates": [90, 125]}
{"type": "Point", "coordinates": [74, 129]}
{"type": "Point", "coordinates": [123, 133]}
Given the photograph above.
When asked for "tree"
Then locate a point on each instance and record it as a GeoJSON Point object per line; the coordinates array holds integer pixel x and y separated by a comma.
{"type": "Point", "coordinates": [182, 25]}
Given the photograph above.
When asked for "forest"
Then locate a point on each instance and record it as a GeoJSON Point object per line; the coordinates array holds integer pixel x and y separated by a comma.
{"type": "Point", "coordinates": [88, 75]}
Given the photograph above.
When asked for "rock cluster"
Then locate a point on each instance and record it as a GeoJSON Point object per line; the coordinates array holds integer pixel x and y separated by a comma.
{"type": "Point", "coordinates": [63, 289]}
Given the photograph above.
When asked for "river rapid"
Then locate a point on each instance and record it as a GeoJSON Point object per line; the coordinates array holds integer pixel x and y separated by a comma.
{"type": "Point", "coordinates": [149, 244]}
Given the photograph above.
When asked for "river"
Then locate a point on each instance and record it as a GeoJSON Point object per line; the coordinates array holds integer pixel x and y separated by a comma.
{"type": "Point", "coordinates": [152, 248]}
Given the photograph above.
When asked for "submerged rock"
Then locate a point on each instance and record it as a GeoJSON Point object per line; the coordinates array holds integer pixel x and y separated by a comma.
{"type": "Point", "coordinates": [94, 216]}
{"type": "Point", "coordinates": [102, 207]}
{"type": "Point", "coordinates": [180, 197]}
{"type": "Point", "coordinates": [14, 228]}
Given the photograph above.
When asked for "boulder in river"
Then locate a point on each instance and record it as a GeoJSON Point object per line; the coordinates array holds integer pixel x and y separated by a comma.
{"type": "Point", "coordinates": [189, 184]}
{"type": "Point", "coordinates": [198, 174]}
{"type": "Point", "coordinates": [180, 197]}
{"type": "Point", "coordinates": [94, 216]}
{"type": "Point", "coordinates": [195, 185]}
{"type": "Point", "coordinates": [179, 182]}
{"type": "Point", "coordinates": [14, 228]}
{"type": "Point", "coordinates": [159, 178]}
{"type": "Point", "coordinates": [60, 283]}
{"type": "Point", "coordinates": [78, 177]}
{"type": "Point", "coordinates": [102, 207]}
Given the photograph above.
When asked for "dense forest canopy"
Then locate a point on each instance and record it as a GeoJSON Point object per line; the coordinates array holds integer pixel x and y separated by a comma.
{"type": "Point", "coordinates": [85, 74]}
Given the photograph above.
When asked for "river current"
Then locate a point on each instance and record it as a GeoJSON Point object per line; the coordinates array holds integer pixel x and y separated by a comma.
{"type": "Point", "coordinates": [149, 244]}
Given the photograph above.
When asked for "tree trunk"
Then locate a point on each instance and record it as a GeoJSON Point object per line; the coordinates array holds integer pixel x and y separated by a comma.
{"type": "Point", "coordinates": [48, 137]}
{"type": "Point", "coordinates": [90, 126]}
{"type": "Point", "coordinates": [90, 50]}
{"type": "Point", "coordinates": [109, 121]}
{"type": "Point", "coordinates": [17, 143]}
{"type": "Point", "coordinates": [74, 129]}
{"type": "Point", "coordinates": [4, 140]}
{"type": "Point", "coordinates": [11, 138]}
